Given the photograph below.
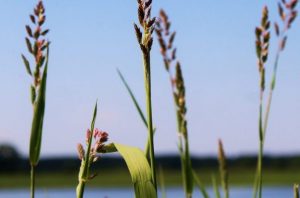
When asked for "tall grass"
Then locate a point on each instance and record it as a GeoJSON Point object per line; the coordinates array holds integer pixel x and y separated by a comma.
{"type": "Point", "coordinates": [135, 159]}
{"type": "Point", "coordinates": [145, 41]}
{"type": "Point", "coordinates": [88, 157]}
{"type": "Point", "coordinates": [173, 67]}
{"type": "Point", "coordinates": [38, 48]}
{"type": "Point", "coordinates": [223, 169]}
{"type": "Point", "coordinates": [287, 15]}
{"type": "Point", "coordinates": [141, 165]}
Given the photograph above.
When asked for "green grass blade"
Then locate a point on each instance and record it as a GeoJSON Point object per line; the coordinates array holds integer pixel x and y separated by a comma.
{"type": "Point", "coordinates": [136, 104]}
{"type": "Point", "coordinates": [200, 185]}
{"type": "Point", "coordinates": [138, 167]}
{"type": "Point", "coordinates": [94, 117]}
{"type": "Point", "coordinates": [138, 108]}
{"type": "Point", "coordinates": [38, 119]}
{"type": "Point", "coordinates": [223, 169]}
{"type": "Point", "coordinates": [85, 163]}
{"type": "Point", "coordinates": [216, 187]}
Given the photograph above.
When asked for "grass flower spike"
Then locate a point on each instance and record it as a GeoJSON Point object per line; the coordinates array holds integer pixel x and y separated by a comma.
{"type": "Point", "coordinates": [38, 48]}
{"type": "Point", "coordinates": [173, 67]}
{"type": "Point", "coordinates": [287, 13]}
{"type": "Point", "coordinates": [90, 155]}
{"type": "Point", "coordinates": [223, 169]}
{"type": "Point", "coordinates": [145, 41]}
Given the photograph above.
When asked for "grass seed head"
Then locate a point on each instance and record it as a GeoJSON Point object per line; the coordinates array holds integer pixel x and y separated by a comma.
{"type": "Point", "coordinates": [147, 23]}
{"type": "Point", "coordinates": [36, 42]}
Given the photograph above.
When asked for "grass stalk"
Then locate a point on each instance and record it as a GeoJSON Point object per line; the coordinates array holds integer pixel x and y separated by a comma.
{"type": "Point", "coordinates": [166, 39]}
{"type": "Point", "coordinates": [32, 181]}
{"type": "Point", "coordinates": [38, 48]}
{"type": "Point", "coordinates": [223, 169]}
{"type": "Point", "coordinates": [86, 159]}
{"type": "Point", "coordinates": [145, 41]}
{"type": "Point", "coordinates": [147, 76]}
{"type": "Point", "coordinates": [287, 14]}
{"type": "Point", "coordinates": [216, 187]}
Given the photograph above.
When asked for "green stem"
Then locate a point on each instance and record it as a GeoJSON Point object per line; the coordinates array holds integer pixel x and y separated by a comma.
{"type": "Point", "coordinates": [80, 189]}
{"type": "Point", "coordinates": [85, 163]}
{"type": "Point", "coordinates": [188, 168]}
{"type": "Point", "coordinates": [263, 125]}
{"type": "Point", "coordinates": [147, 76]}
{"type": "Point", "coordinates": [216, 187]}
{"type": "Point", "coordinates": [272, 87]}
{"type": "Point", "coordinates": [32, 181]}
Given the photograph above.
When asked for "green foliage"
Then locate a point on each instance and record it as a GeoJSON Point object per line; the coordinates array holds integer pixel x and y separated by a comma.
{"type": "Point", "coordinates": [216, 187]}
{"type": "Point", "coordinates": [38, 119]}
{"type": "Point", "coordinates": [200, 185]}
{"type": "Point", "coordinates": [83, 176]}
{"type": "Point", "coordinates": [138, 167]}
{"type": "Point", "coordinates": [139, 109]}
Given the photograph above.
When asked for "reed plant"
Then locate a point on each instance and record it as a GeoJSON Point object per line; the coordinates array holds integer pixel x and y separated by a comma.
{"type": "Point", "coordinates": [141, 164]}
{"type": "Point", "coordinates": [287, 15]}
{"type": "Point", "coordinates": [38, 48]}
{"type": "Point", "coordinates": [145, 40]}
{"type": "Point", "coordinates": [223, 169]}
{"type": "Point", "coordinates": [90, 155]}
{"type": "Point", "coordinates": [135, 159]}
{"type": "Point", "coordinates": [173, 67]}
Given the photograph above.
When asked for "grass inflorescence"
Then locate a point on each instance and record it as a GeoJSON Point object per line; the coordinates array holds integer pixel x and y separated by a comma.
{"type": "Point", "coordinates": [38, 48]}
{"type": "Point", "coordinates": [287, 15]}
{"type": "Point", "coordinates": [145, 41]}
{"type": "Point", "coordinates": [173, 67]}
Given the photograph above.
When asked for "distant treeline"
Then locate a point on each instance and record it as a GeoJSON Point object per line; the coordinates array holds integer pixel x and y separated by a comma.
{"type": "Point", "coordinates": [15, 163]}
{"type": "Point", "coordinates": [11, 161]}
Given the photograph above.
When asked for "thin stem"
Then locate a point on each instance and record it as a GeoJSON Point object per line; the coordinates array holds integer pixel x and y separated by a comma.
{"type": "Point", "coordinates": [85, 163]}
{"type": "Point", "coordinates": [259, 170]}
{"type": "Point", "coordinates": [258, 178]}
{"type": "Point", "coordinates": [216, 187]}
{"type": "Point", "coordinates": [263, 125]}
{"type": "Point", "coordinates": [32, 181]}
{"type": "Point", "coordinates": [147, 76]}
{"type": "Point", "coordinates": [188, 166]}
{"type": "Point", "coordinates": [272, 87]}
{"type": "Point", "coordinates": [80, 189]}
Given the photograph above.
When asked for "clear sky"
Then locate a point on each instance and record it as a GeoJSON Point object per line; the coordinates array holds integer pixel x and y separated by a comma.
{"type": "Point", "coordinates": [90, 39]}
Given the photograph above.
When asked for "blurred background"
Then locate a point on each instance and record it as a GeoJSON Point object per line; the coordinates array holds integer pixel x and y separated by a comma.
{"type": "Point", "coordinates": [91, 39]}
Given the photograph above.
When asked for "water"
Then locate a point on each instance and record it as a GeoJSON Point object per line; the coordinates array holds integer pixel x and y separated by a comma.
{"type": "Point", "coordinates": [237, 192]}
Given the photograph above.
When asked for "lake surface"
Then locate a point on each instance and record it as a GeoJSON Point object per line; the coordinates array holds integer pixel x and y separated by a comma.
{"type": "Point", "coordinates": [237, 192]}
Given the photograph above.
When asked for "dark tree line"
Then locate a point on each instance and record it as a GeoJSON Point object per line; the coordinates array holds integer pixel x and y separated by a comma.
{"type": "Point", "coordinates": [12, 161]}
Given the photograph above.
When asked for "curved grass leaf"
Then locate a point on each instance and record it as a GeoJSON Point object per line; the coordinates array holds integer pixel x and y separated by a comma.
{"type": "Point", "coordinates": [38, 119]}
{"type": "Point", "coordinates": [138, 108]}
{"type": "Point", "coordinates": [136, 104]}
{"type": "Point", "coordinates": [138, 167]}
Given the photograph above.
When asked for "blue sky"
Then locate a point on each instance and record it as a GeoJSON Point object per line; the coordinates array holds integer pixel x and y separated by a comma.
{"type": "Point", "coordinates": [90, 39]}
